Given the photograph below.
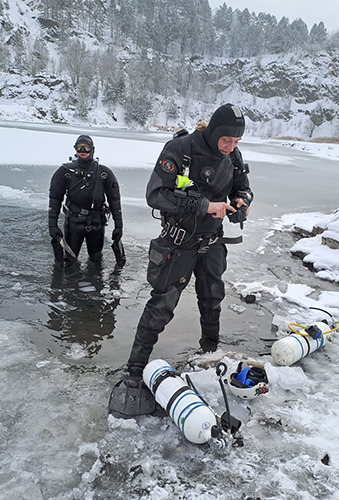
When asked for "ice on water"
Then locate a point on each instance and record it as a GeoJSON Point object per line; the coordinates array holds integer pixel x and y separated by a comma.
{"type": "Point", "coordinates": [58, 443]}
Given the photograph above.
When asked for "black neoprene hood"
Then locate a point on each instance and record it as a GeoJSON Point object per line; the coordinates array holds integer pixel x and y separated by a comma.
{"type": "Point", "coordinates": [84, 139]}
{"type": "Point", "coordinates": [226, 121]}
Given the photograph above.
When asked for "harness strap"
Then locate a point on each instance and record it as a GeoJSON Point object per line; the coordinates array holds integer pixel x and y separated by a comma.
{"type": "Point", "coordinates": [178, 235]}
{"type": "Point", "coordinates": [74, 209]}
{"type": "Point", "coordinates": [230, 241]}
{"type": "Point", "coordinates": [206, 242]}
{"type": "Point", "coordinates": [186, 159]}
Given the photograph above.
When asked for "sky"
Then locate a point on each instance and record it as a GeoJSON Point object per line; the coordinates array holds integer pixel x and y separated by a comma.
{"type": "Point", "coordinates": [311, 11]}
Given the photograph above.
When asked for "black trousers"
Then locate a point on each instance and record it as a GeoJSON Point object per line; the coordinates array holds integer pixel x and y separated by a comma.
{"type": "Point", "coordinates": [169, 271]}
{"type": "Point", "coordinates": [89, 228]}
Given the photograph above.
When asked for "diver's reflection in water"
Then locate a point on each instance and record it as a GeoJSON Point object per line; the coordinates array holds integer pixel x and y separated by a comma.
{"type": "Point", "coordinates": [83, 303]}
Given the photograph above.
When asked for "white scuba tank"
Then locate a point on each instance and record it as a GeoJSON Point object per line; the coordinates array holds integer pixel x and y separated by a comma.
{"type": "Point", "coordinates": [294, 347]}
{"type": "Point", "coordinates": [187, 410]}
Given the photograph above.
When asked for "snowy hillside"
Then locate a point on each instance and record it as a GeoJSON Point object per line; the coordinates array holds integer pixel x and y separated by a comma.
{"type": "Point", "coordinates": [50, 73]}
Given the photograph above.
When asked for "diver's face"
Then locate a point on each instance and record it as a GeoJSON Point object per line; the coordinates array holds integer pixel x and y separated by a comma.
{"type": "Point", "coordinates": [227, 144]}
{"type": "Point", "coordinates": [83, 150]}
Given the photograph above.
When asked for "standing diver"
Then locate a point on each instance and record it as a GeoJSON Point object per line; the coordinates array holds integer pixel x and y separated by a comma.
{"type": "Point", "coordinates": [198, 179]}
{"type": "Point", "coordinates": [91, 190]}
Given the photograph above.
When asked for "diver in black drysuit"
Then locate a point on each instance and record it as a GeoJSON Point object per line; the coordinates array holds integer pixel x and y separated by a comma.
{"type": "Point", "coordinates": [192, 223]}
{"type": "Point", "coordinates": [88, 187]}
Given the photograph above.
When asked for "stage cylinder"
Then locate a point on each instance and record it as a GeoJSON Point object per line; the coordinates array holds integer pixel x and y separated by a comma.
{"type": "Point", "coordinates": [187, 410]}
{"type": "Point", "coordinates": [293, 347]}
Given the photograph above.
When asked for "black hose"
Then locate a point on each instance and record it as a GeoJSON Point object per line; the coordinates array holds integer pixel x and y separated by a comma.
{"type": "Point", "coordinates": [221, 373]}
{"type": "Point", "coordinates": [323, 310]}
{"type": "Point", "coordinates": [192, 386]}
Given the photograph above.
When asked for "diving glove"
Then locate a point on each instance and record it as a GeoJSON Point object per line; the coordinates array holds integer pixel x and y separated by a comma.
{"type": "Point", "coordinates": [55, 233]}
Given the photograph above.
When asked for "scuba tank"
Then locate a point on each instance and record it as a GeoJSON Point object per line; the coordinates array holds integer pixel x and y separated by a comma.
{"type": "Point", "coordinates": [192, 415]}
{"type": "Point", "coordinates": [297, 345]}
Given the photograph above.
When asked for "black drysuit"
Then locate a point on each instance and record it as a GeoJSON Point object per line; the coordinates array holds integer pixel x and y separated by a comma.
{"type": "Point", "coordinates": [88, 187]}
{"type": "Point", "coordinates": [187, 227]}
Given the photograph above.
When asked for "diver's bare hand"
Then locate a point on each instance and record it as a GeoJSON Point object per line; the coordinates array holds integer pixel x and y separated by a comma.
{"type": "Point", "coordinates": [218, 209]}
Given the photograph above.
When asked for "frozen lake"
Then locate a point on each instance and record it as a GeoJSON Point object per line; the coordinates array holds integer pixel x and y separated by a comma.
{"type": "Point", "coordinates": [66, 335]}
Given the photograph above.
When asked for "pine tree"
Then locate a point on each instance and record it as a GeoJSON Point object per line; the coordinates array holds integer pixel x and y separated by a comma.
{"type": "Point", "coordinates": [318, 33]}
{"type": "Point", "coordinates": [299, 33]}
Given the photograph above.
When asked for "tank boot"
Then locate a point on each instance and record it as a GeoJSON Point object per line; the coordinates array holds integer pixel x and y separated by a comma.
{"type": "Point", "coordinates": [209, 344]}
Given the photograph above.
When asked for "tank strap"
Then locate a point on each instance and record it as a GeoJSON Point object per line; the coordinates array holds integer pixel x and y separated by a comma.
{"type": "Point", "coordinates": [163, 376]}
{"type": "Point", "coordinates": [174, 396]}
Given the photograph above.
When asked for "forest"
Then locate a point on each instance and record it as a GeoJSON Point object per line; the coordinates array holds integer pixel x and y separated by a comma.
{"type": "Point", "coordinates": [129, 52]}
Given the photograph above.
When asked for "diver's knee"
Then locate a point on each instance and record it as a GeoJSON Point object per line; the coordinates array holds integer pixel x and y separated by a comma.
{"type": "Point", "coordinates": [96, 256]}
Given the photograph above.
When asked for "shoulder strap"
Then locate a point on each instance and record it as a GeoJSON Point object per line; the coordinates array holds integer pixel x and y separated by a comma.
{"type": "Point", "coordinates": [186, 159]}
{"type": "Point", "coordinates": [186, 149]}
{"type": "Point", "coordinates": [68, 165]}
{"type": "Point", "coordinates": [67, 173]}
{"type": "Point", "coordinates": [238, 162]}
{"type": "Point", "coordinates": [96, 166]}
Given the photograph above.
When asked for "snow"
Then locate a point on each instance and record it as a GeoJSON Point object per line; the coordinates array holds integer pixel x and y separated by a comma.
{"type": "Point", "coordinates": [29, 99]}
{"type": "Point", "coordinates": [69, 449]}
{"type": "Point", "coordinates": [25, 147]}
{"type": "Point", "coordinates": [325, 260]}
{"type": "Point", "coordinates": [322, 150]}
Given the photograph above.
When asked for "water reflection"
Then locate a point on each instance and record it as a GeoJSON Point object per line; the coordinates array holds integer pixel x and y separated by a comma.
{"type": "Point", "coordinates": [82, 305]}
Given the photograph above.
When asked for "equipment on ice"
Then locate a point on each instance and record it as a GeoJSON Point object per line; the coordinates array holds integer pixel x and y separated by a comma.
{"type": "Point", "coordinates": [188, 410]}
{"type": "Point", "coordinates": [249, 381]}
{"type": "Point", "coordinates": [297, 345]}
{"type": "Point", "coordinates": [129, 402]}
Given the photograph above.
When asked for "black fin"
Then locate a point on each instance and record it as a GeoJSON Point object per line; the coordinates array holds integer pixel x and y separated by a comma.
{"type": "Point", "coordinates": [119, 253]}
{"type": "Point", "coordinates": [129, 402]}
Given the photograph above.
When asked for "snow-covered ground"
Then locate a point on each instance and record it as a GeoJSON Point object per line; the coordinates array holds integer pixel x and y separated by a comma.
{"type": "Point", "coordinates": [56, 440]}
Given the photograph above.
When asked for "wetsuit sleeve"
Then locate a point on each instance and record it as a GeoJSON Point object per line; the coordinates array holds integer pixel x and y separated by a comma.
{"type": "Point", "coordinates": [112, 192]}
{"type": "Point", "coordinates": [57, 192]}
{"type": "Point", "coordinates": [161, 192]}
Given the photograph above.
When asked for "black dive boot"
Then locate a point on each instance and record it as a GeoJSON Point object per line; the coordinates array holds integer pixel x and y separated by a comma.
{"type": "Point", "coordinates": [209, 344]}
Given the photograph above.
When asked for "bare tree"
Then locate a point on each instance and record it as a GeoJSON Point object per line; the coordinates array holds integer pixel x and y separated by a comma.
{"type": "Point", "coordinates": [74, 60]}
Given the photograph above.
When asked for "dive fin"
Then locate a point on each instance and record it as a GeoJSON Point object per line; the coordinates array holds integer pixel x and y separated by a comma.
{"type": "Point", "coordinates": [119, 253]}
{"type": "Point", "coordinates": [129, 402]}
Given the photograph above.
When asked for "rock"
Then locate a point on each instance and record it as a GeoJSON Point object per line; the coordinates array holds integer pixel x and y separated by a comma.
{"type": "Point", "coordinates": [330, 242]}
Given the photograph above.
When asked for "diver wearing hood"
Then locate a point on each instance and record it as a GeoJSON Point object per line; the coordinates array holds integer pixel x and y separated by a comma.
{"type": "Point", "coordinates": [192, 219]}
{"type": "Point", "coordinates": [92, 191]}
{"type": "Point", "coordinates": [226, 121]}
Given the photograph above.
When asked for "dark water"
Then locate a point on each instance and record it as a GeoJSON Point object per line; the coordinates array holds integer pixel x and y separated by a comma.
{"type": "Point", "coordinates": [88, 314]}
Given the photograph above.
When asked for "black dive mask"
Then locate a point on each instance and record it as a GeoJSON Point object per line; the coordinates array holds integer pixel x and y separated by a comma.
{"type": "Point", "coordinates": [83, 150]}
